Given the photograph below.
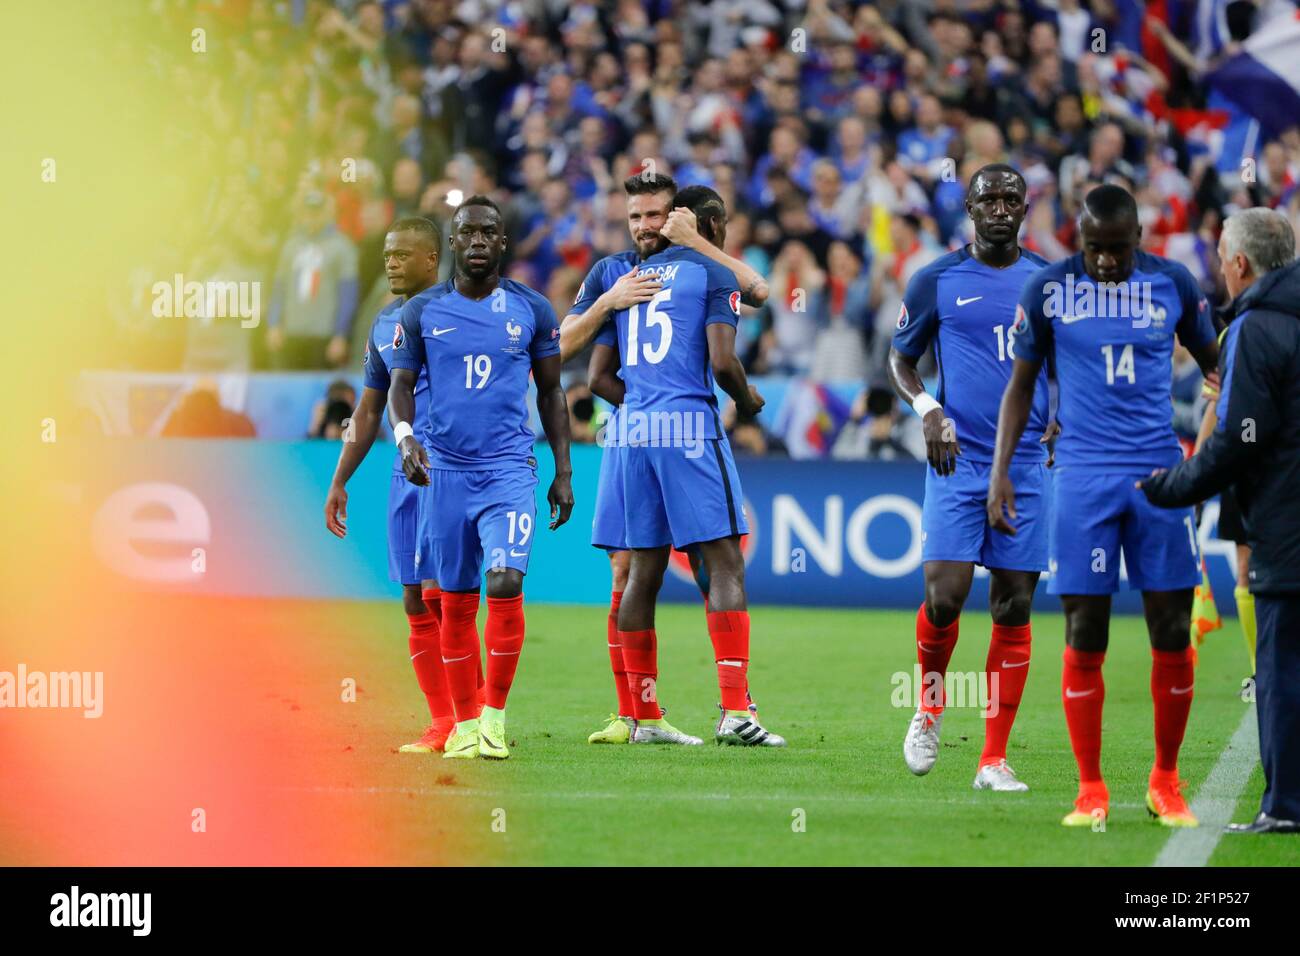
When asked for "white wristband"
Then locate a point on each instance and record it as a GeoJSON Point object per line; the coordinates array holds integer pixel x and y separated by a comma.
{"type": "Point", "coordinates": [924, 404]}
{"type": "Point", "coordinates": [402, 430]}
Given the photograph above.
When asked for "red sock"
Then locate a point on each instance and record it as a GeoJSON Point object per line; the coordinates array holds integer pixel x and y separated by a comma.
{"type": "Point", "coordinates": [1172, 678]}
{"type": "Point", "coordinates": [616, 656]}
{"type": "Point", "coordinates": [729, 631]}
{"type": "Point", "coordinates": [426, 657]}
{"type": "Point", "coordinates": [933, 649]}
{"type": "Point", "coordinates": [1007, 667]}
{"type": "Point", "coordinates": [640, 657]}
{"type": "Point", "coordinates": [1083, 692]}
{"type": "Point", "coordinates": [504, 636]}
{"type": "Point", "coordinates": [461, 656]}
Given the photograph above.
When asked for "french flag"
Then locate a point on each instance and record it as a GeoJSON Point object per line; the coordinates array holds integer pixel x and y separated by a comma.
{"type": "Point", "coordinates": [1264, 79]}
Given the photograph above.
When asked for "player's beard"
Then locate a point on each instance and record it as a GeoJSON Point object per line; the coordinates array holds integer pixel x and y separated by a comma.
{"type": "Point", "coordinates": [651, 245]}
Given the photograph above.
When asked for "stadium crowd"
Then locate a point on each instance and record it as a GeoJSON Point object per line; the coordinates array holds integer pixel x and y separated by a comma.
{"type": "Point", "coordinates": [841, 135]}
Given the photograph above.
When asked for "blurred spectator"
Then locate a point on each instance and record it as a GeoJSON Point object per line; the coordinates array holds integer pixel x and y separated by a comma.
{"type": "Point", "coordinates": [582, 413]}
{"type": "Point", "coordinates": [200, 414]}
{"type": "Point", "coordinates": [331, 411]}
{"type": "Point", "coordinates": [878, 431]}
{"type": "Point", "coordinates": [315, 293]}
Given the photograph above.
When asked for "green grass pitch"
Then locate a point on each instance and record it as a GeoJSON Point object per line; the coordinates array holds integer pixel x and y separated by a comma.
{"type": "Point", "coordinates": [823, 679]}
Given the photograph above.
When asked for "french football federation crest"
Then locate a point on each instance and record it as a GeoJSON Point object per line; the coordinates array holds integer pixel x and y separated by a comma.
{"type": "Point", "coordinates": [514, 330]}
{"type": "Point", "coordinates": [903, 317]}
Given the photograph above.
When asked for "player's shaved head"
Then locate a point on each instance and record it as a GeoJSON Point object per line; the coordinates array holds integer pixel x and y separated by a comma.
{"type": "Point", "coordinates": [478, 239]}
{"type": "Point", "coordinates": [411, 250]}
{"type": "Point", "coordinates": [995, 202]}
{"type": "Point", "coordinates": [1109, 203]}
{"type": "Point", "coordinates": [1109, 232]}
{"type": "Point", "coordinates": [994, 172]}
{"type": "Point", "coordinates": [710, 211]}
{"type": "Point", "coordinates": [425, 229]}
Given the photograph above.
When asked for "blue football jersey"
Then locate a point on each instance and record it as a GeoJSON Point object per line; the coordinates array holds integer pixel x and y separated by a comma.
{"type": "Point", "coordinates": [602, 275]}
{"type": "Point", "coordinates": [662, 344]}
{"type": "Point", "coordinates": [478, 357]}
{"type": "Point", "coordinates": [1113, 345]}
{"type": "Point", "coordinates": [379, 353]}
{"type": "Point", "coordinates": [968, 309]}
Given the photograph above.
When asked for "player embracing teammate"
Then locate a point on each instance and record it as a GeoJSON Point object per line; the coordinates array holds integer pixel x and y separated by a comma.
{"type": "Point", "coordinates": [679, 480]}
{"type": "Point", "coordinates": [613, 284]}
{"type": "Point", "coordinates": [964, 304]}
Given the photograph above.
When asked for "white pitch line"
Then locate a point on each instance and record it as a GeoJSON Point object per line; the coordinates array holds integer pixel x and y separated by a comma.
{"type": "Point", "coordinates": [1217, 798]}
{"type": "Point", "coordinates": [595, 795]}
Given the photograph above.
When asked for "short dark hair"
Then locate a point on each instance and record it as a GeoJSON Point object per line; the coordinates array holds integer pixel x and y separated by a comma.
{"type": "Point", "coordinates": [478, 201]}
{"type": "Point", "coordinates": [993, 169]}
{"type": "Point", "coordinates": [707, 205]}
{"type": "Point", "coordinates": [1109, 203]}
{"type": "Point", "coordinates": [425, 227]}
{"type": "Point", "coordinates": [639, 184]}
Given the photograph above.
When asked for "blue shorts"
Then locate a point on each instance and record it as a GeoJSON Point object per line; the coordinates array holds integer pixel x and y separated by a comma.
{"type": "Point", "coordinates": [469, 516]}
{"type": "Point", "coordinates": [671, 498]}
{"type": "Point", "coordinates": [608, 528]}
{"type": "Point", "coordinates": [1095, 514]}
{"type": "Point", "coordinates": [955, 524]}
{"type": "Point", "coordinates": [403, 526]}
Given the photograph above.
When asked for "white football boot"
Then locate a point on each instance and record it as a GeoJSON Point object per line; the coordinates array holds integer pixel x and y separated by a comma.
{"type": "Point", "coordinates": [745, 731]}
{"type": "Point", "coordinates": [999, 776]}
{"type": "Point", "coordinates": [921, 745]}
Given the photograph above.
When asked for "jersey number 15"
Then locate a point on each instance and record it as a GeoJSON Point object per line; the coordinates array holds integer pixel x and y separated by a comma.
{"type": "Point", "coordinates": [653, 317]}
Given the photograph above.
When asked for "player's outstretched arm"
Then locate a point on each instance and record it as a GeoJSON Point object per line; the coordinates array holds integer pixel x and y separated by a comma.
{"type": "Point", "coordinates": [681, 229]}
{"type": "Point", "coordinates": [941, 447]}
{"type": "Point", "coordinates": [1013, 415]}
{"type": "Point", "coordinates": [602, 374]}
{"type": "Point", "coordinates": [578, 329]}
{"type": "Point", "coordinates": [729, 371]}
{"type": "Point", "coordinates": [401, 399]}
{"type": "Point", "coordinates": [356, 445]}
{"type": "Point", "coordinates": [553, 410]}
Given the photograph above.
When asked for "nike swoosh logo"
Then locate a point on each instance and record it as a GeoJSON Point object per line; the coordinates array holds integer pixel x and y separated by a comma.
{"type": "Point", "coordinates": [1079, 693]}
{"type": "Point", "coordinates": [730, 663]}
{"type": "Point", "coordinates": [385, 348]}
{"type": "Point", "coordinates": [615, 645]}
{"type": "Point", "coordinates": [455, 659]}
{"type": "Point", "coordinates": [503, 653]}
{"type": "Point", "coordinates": [1067, 319]}
{"type": "Point", "coordinates": [417, 654]}
{"type": "Point", "coordinates": [974, 298]}
{"type": "Point", "coordinates": [443, 331]}
{"type": "Point", "coordinates": [518, 554]}
{"type": "Point", "coordinates": [1181, 690]}
{"type": "Point", "coordinates": [1020, 664]}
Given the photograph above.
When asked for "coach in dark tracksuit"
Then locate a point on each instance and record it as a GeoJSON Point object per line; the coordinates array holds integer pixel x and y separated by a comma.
{"type": "Point", "coordinates": [1256, 447]}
